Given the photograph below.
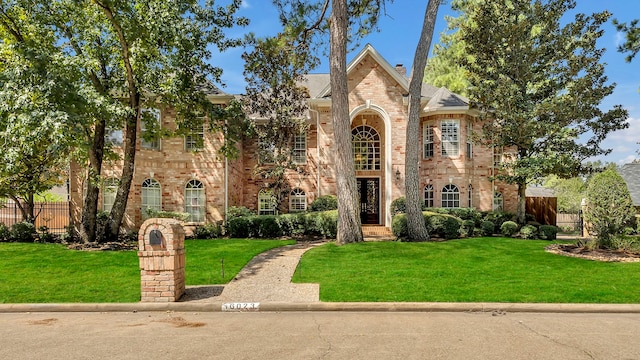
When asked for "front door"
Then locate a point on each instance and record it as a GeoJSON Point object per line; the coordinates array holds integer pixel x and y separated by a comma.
{"type": "Point", "coordinates": [369, 193]}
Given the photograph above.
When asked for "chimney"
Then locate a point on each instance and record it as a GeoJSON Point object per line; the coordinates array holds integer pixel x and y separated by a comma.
{"type": "Point", "coordinates": [401, 69]}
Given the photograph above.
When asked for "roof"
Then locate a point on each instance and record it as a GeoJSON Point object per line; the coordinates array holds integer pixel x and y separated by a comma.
{"type": "Point", "coordinates": [444, 98]}
{"type": "Point", "coordinates": [538, 191]}
{"type": "Point", "coordinates": [631, 175]}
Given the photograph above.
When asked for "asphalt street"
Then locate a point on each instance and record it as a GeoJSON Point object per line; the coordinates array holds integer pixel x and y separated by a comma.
{"type": "Point", "coordinates": [318, 335]}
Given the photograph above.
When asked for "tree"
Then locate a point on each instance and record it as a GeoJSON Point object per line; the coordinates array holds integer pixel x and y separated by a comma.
{"type": "Point", "coordinates": [569, 192]}
{"type": "Point", "coordinates": [125, 56]}
{"type": "Point", "coordinates": [538, 86]}
{"type": "Point", "coordinates": [346, 22]}
{"type": "Point", "coordinates": [631, 44]}
{"type": "Point", "coordinates": [416, 228]}
{"type": "Point", "coordinates": [609, 206]}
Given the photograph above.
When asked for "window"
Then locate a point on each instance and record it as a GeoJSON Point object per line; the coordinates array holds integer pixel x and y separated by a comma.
{"type": "Point", "coordinates": [266, 151]}
{"type": "Point", "coordinates": [109, 189]}
{"type": "Point", "coordinates": [194, 140]}
{"type": "Point", "coordinates": [450, 196]}
{"type": "Point", "coordinates": [366, 148]}
{"type": "Point", "coordinates": [266, 203]}
{"type": "Point", "coordinates": [498, 203]}
{"type": "Point", "coordinates": [450, 131]}
{"type": "Point", "coordinates": [497, 155]}
{"type": "Point", "coordinates": [469, 143]}
{"type": "Point", "coordinates": [297, 200]}
{"type": "Point", "coordinates": [114, 137]}
{"type": "Point", "coordinates": [151, 196]}
{"type": "Point", "coordinates": [427, 141]}
{"type": "Point", "coordinates": [194, 200]}
{"type": "Point", "coordinates": [150, 115]}
{"type": "Point", "coordinates": [428, 196]}
{"type": "Point", "coordinates": [470, 196]}
{"type": "Point", "coordinates": [299, 155]}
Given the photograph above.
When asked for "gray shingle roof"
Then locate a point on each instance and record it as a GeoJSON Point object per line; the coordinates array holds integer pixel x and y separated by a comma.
{"type": "Point", "coordinates": [538, 191]}
{"type": "Point", "coordinates": [631, 175]}
{"type": "Point", "coordinates": [444, 98]}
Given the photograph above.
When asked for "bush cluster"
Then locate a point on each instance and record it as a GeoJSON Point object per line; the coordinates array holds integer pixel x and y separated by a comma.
{"type": "Point", "coordinates": [208, 231]}
{"type": "Point", "coordinates": [438, 225]}
{"type": "Point", "coordinates": [321, 223]}
{"type": "Point", "coordinates": [324, 203]}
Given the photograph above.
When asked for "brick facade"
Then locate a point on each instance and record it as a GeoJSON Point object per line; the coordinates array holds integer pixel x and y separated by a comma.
{"type": "Point", "coordinates": [377, 100]}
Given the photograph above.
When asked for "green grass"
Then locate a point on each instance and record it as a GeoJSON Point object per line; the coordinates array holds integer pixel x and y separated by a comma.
{"type": "Point", "coordinates": [470, 270]}
{"type": "Point", "coordinates": [50, 273]}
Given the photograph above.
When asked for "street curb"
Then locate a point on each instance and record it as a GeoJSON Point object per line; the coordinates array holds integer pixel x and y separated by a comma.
{"type": "Point", "coordinates": [322, 306]}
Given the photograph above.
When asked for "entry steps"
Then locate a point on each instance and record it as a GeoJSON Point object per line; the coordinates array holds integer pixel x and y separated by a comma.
{"type": "Point", "coordinates": [377, 233]}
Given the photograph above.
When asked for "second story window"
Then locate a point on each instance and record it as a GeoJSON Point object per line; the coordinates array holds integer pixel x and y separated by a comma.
{"type": "Point", "coordinates": [150, 120]}
{"type": "Point", "coordinates": [194, 140]}
{"type": "Point", "coordinates": [366, 148]}
{"type": "Point", "coordinates": [450, 134]}
{"type": "Point", "coordinates": [427, 141]}
{"type": "Point", "coordinates": [299, 155]}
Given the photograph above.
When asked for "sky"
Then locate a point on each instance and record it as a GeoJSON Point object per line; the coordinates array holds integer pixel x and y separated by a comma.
{"type": "Point", "coordinates": [398, 36]}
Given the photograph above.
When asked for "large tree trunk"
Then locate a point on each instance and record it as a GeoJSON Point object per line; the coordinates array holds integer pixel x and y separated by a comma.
{"type": "Point", "coordinates": [122, 195]}
{"type": "Point", "coordinates": [87, 231]}
{"type": "Point", "coordinates": [417, 230]}
{"type": "Point", "coordinates": [349, 226]}
{"type": "Point", "coordinates": [522, 203]}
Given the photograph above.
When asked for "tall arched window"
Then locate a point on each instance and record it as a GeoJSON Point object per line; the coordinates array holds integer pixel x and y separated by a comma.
{"type": "Point", "coordinates": [151, 196]}
{"type": "Point", "coordinates": [428, 196]}
{"type": "Point", "coordinates": [194, 200]}
{"type": "Point", "coordinates": [266, 202]}
{"type": "Point", "coordinates": [109, 189]}
{"type": "Point", "coordinates": [450, 196]}
{"type": "Point", "coordinates": [297, 200]}
{"type": "Point", "coordinates": [366, 148]}
{"type": "Point", "coordinates": [498, 202]}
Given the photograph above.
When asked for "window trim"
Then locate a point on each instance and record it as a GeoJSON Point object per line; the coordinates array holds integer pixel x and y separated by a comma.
{"type": "Point", "coordinates": [428, 201]}
{"type": "Point", "coordinates": [428, 137]}
{"type": "Point", "coordinates": [195, 186]}
{"type": "Point", "coordinates": [297, 197]}
{"type": "Point", "coordinates": [155, 143]}
{"type": "Point", "coordinates": [453, 197]}
{"type": "Point", "coordinates": [469, 142]}
{"type": "Point", "coordinates": [109, 186]}
{"type": "Point", "coordinates": [194, 145]}
{"type": "Point", "coordinates": [299, 151]}
{"type": "Point", "coordinates": [150, 184]}
{"type": "Point", "coordinates": [369, 140]}
{"type": "Point", "coordinates": [266, 198]}
{"type": "Point", "coordinates": [498, 198]}
{"type": "Point", "coordinates": [450, 138]}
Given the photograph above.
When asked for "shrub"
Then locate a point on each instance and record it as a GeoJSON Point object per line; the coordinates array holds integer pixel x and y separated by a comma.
{"type": "Point", "coordinates": [324, 203]}
{"type": "Point", "coordinates": [498, 218]}
{"type": "Point", "coordinates": [487, 227]}
{"type": "Point", "coordinates": [442, 225]}
{"type": "Point", "coordinates": [180, 216]}
{"type": "Point", "coordinates": [548, 232]}
{"type": "Point", "coordinates": [240, 227]}
{"type": "Point", "coordinates": [4, 232]}
{"type": "Point", "coordinates": [451, 227]}
{"type": "Point", "coordinates": [609, 207]}
{"type": "Point", "coordinates": [467, 214]}
{"type": "Point", "coordinates": [399, 226]}
{"type": "Point", "coordinates": [291, 224]}
{"type": "Point", "coordinates": [22, 232]}
{"type": "Point", "coordinates": [509, 228]}
{"type": "Point", "coordinates": [322, 223]}
{"type": "Point", "coordinates": [399, 206]}
{"type": "Point", "coordinates": [44, 235]}
{"type": "Point", "coordinates": [528, 232]}
{"type": "Point", "coordinates": [266, 226]}
{"type": "Point", "coordinates": [467, 227]}
{"type": "Point", "coordinates": [207, 231]}
{"type": "Point", "coordinates": [238, 211]}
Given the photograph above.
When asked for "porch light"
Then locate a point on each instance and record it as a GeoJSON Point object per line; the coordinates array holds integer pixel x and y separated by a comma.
{"type": "Point", "coordinates": [398, 174]}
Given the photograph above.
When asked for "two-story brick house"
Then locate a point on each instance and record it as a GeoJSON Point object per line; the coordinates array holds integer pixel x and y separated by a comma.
{"type": "Point", "coordinates": [454, 172]}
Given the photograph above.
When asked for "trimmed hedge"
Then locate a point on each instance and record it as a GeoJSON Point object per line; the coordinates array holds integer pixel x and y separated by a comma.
{"type": "Point", "coordinates": [324, 203]}
{"type": "Point", "coordinates": [548, 232]}
{"type": "Point", "coordinates": [321, 223]}
{"type": "Point", "coordinates": [439, 225]}
{"type": "Point", "coordinates": [509, 228]}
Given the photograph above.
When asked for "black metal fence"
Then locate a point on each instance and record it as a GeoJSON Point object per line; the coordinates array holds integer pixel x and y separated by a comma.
{"type": "Point", "coordinates": [54, 215]}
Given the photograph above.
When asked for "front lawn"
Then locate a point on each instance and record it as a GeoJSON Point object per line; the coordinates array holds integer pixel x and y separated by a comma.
{"type": "Point", "coordinates": [469, 270]}
{"type": "Point", "coordinates": [50, 273]}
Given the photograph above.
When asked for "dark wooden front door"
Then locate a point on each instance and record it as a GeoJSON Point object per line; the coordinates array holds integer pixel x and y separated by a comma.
{"type": "Point", "coordinates": [369, 192]}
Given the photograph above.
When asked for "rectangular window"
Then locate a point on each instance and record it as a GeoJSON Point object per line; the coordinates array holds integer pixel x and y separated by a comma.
{"type": "Point", "coordinates": [427, 141]}
{"type": "Point", "coordinates": [266, 151]}
{"type": "Point", "coordinates": [450, 133]}
{"type": "Point", "coordinates": [114, 137]}
{"type": "Point", "coordinates": [469, 143]}
{"type": "Point", "coordinates": [150, 115]}
{"type": "Point", "coordinates": [498, 152]}
{"type": "Point", "coordinates": [194, 140]}
{"type": "Point", "coordinates": [299, 155]}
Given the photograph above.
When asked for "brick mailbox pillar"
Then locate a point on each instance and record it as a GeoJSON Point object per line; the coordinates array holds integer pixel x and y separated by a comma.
{"type": "Point", "coordinates": [162, 260]}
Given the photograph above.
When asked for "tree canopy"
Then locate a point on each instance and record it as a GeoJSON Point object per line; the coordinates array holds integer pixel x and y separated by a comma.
{"type": "Point", "coordinates": [538, 85]}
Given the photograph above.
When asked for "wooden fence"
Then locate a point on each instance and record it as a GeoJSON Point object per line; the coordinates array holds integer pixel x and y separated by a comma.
{"type": "Point", "coordinates": [572, 221]}
{"type": "Point", "coordinates": [544, 209]}
{"type": "Point", "coordinates": [54, 216]}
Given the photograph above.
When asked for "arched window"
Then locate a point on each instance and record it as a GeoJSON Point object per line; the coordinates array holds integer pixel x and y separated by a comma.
{"type": "Point", "coordinates": [498, 202]}
{"type": "Point", "coordinates": [297, 200]}
{"type": "Point", "coordinates": [428, 196]}
{"type": "Point", "coordinates": [266, 202]}
{"type": "Point", "coordinates": [194, 200]}
{"type": "Point", "coordinates": [450, 196]}
{"type": "Point", "coordinates": [366, 148]}
{"type": "Point", "coordinates": [151, 196]}
{"type": "Point", "coordinates": [109, 189]}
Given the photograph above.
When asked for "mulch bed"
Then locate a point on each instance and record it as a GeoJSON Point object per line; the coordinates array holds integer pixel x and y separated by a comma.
{"type": "Point", "coordinates": [573, 250]}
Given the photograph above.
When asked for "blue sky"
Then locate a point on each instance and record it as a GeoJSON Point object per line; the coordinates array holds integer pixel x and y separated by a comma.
{"type": "Point", "coordinates": [398, 36]}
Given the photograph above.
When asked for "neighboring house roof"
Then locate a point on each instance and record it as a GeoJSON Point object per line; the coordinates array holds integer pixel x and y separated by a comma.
{"type": "Point", "coordinates": [538, 191]}
{"type": "Point", "coordinates": [631, 175]}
